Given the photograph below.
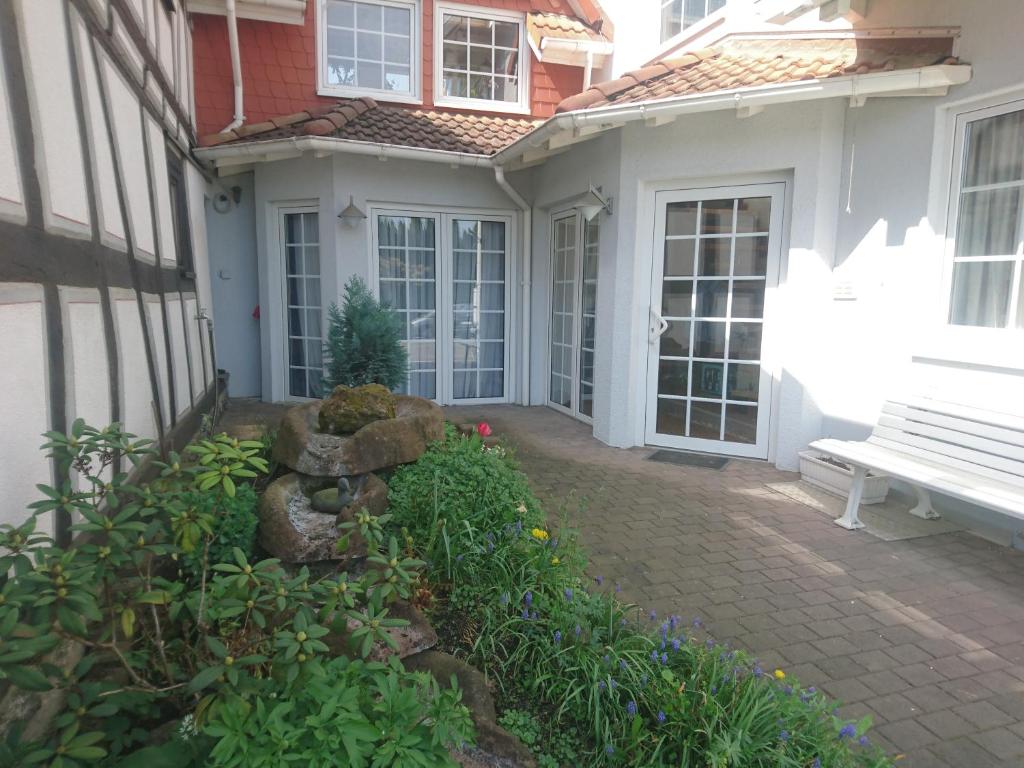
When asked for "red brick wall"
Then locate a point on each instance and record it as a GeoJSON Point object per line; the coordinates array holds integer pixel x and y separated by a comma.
{"type": "Point", "coordinates": [279, 66]}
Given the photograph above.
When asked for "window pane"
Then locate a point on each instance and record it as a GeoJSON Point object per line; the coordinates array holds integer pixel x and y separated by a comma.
{"type": "Point", "coordinates": [707, 379]}
{"type": "Point", "coordinates": [679, 258]}
{"type": "Point", "coordinates": [671, 417]}
{"type": "Point", "coordinates": [676, 298]}
{"type": "Point", "coordinates": [480, 31]}
{"type": "Point", "coordinates": [981, 293]}
{"type": "Point", "coordinates": [709, 340]}
{"type": "Point", "coordinates": [456, 28]}
{"type": "Point", "coordinates": [715, 254]}
{"type": "Point", "coordinates": [995, 150]}
{"type": "Point", "coordinates": [712, 298]}
{"type": "Point", "coordinates": [748, 298]}
{"type": "Point", "coordinates": [506, 34]}
{"type": "Point", "coordinates": [506, 89]}
{"type": "Point", "coordinates": [675, 341]}
{"type": "Point", "coordinates": [455, 84]}
{"type": "Point", "coordinates": [672, 375]}
{"type": "Point", "coordinates": [369, 46]}
{"type": "Point", "coordinates": [741, 423]}
{"type": "Point", "coordinates": [751, 256]}
{"type": "Point", "coordinates": [681, 219]}
{"type": "Point", "coordinates": [745, 341]}
{"type": "Point", "coordinates": [706, 420]}
{"type": "Point", "coordinates": [368, 17]}
{"type": "Point", "coordinates": [341, 42]}
{"type": "Point", "coordinates": [481, 59]}
{"type": "Point", "coordinates": [396, 49]}
{"type": "Point", "coordinates": [396, 21]}
{"type": "Point", "coordinates": [340, 13]}
{"type": "Point", "coordinates": [754, 214]}
{"type": "Point", "coordinates": [481, 87]}
{"type": "Point", "coordinates": [716, 217]}
{"type": "Point", "coordinates": [989, 223]}
{"type": "Point", "coordinates": [369, 75]}
{"type": "Point", "coordinates": [744, 381]}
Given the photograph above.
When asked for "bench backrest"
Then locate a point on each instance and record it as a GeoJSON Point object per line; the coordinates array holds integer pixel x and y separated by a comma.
{"type": "Point", "coordinates": [962, 438]}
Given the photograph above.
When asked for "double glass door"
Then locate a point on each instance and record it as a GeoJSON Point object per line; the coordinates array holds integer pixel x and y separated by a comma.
{"type": "Point", "coordinates": [446, 275]}
{"type": "Point", "coordinates": [716, 263]}
{"type": "Point", "coordinates": [574, 264]}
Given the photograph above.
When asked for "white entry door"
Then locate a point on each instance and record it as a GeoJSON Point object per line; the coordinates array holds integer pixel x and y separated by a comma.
{"type": "Point", "coordinates": [574, 263]}
{"type": "Point", "coordinates": [709, 386]}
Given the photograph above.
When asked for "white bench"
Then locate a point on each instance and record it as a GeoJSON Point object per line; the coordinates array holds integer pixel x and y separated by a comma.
{"type": "Point", "coordinates": [967, 453]}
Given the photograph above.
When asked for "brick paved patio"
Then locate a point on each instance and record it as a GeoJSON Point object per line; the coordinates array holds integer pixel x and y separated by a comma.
{"type": "Point", "coordinates": [926, 634]}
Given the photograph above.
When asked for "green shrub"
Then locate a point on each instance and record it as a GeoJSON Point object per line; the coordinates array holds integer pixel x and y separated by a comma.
{"type": "Point", "coordinates": [640, 690]}
{"type": "Point", "coordinates": [233, 525]}
{"type": "Point", "coordinates": [364, 341]}
{"type": "Point", "coordinates": [236, 659]}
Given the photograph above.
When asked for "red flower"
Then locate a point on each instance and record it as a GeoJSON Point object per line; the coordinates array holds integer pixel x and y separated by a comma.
{"type": "Point", "coordinates": [483, 429]}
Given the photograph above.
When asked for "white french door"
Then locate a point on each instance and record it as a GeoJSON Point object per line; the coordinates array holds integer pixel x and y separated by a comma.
{"type": "Point", "coordinates": [300, 237]}
{"type": "Point", "coordinates": [717, 253]}
{"type": "Point", "coordinates": [574, 265]}
{"type": "Point", "coordinates": [446, 275]}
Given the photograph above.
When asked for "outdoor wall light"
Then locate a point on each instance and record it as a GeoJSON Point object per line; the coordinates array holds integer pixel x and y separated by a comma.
{"type": "Point", "coordinates": [592, 203]}
{"type": "Point", "coordinates": [351, 216]}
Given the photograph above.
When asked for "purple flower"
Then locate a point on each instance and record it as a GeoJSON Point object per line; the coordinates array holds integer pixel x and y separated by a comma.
{"type": "Point", "coordinates": [504, 598]}
{"type": "Point", "coordinates": [601, 685]}
{"type": "Point", "coordinates": [458, 558]}
{"type": "Point", "coordinates": [610, 750]}
{"type": "Point", "coordinates": [568, 594]}
{"type": "Point", "coordinates": [816, 763]}
{"type": "Point", "coordinates": [714, 690]}
{"type": "Point", "coordinates": [622, 622]}
{"type": "Point", "coordinates": [863, 741]}
{"type": "Point", "coordinates": [788, 690]}
{"type": "Point", "coordinates": [614, 683]}
{"type": "Point", "coordinates": [697, 623]}
{"type": "Point", "coordinates": [623, 665]}
{"type": "Point", "coordinates": [654, 656]}
{"type": "Point", "coordinates": [784, 736]}
{"type": "Point", "coordinates": [757, 670]}
{"type": "Point", "coordinates": [709, 643]}
{"type": "Point", "coordinates": [653, 615]}
{"type": "Point", "coordinates": [675, 644]}
{"type": "Point", "coordinates": [528, 598]}
{"type": "Point", "coordinates": [618, 588]}
{"type": "Point", "coordinates": [558, 636]}
{"type": "Point", "coordinates": [664, 658]}
{"type": "Point", "coordinates": [554, 543]}
{"type": "Point", "coordinates": [848, 731]}
{"type": "Point", "coordinates": [606, 659]}
{"type": "Point", "coordinates": [526, 614]}
{"type": "Point", "coordinates": [661, 716]}
{"type": "Point", "coordinates": [578, 630]}
{"type": "Point", "coordinates": [534, 615]}
{"type": "Point", "coordinates": [631, 708]}
{"type": "Point", "coordinates": [599, 580]}
{"type": "Point", "coordinates": [673, 622]}
{"type": "Point", "coordinates": [519, 526]}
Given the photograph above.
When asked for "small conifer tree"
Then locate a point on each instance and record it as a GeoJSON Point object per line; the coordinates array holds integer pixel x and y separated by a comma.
{"type": "Point", "coordinates": [364, 341]}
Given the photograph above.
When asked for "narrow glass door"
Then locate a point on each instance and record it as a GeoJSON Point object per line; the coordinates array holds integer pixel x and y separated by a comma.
{"type": "Point", "coordinates": [574, 259]}
{"type": "Point", "coordinates": [302, 298]}
{"type": "Point", "coordinates": [563, 310]}
{"type": "Point", "coordinates": [708, 387]}
{"type": "Point", "coordinates": [479, 263]}
{"type": "Point", "coordinates": [407, 261]}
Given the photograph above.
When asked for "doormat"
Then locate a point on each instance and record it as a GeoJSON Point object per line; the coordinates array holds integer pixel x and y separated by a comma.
{"type": "Point", "coordinates": [686, 459]}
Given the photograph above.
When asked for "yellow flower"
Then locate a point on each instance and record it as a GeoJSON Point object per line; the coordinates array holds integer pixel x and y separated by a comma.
{"type": "Point", "coordinates": [555, 561]}
{"type": "Point", "coordinates": [540, 534]}
{"type": "Point", "coordinates": [780, 675]}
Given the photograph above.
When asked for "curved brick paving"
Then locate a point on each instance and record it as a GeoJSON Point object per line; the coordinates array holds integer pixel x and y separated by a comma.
{"type": "Point", "coordinates": [926, 634]}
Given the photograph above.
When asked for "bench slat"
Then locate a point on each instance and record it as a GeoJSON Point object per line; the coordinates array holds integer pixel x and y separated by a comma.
{"type": "Point", "coordinates": [960, 466]}
{"type": "Point", "coordinates": [957, 423]}
{"type": "Point", "coordinates": [954, 437]}
{"type": "Point", "coordinates": [921, 471]}
{"type": "Point", "coordinates": [979, 415]}
{"type": "Point", "coordinates": [969, 455]}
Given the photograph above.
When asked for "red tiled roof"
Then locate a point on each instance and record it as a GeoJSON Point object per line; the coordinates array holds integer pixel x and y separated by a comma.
{"type": "Point", "coordinates": [745, 62]}
{"type": "Point", "coordinates": [364, 120]}
{"type": "Point", "coordinates": [555, 25]}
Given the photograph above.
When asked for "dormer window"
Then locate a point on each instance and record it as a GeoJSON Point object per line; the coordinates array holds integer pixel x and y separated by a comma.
{"type": "Point", "coordinates": [480, 59]}
{"type": "Point", "coordinates": [677, 15]}
{"type": "Point", "coordinates": [369, 48]}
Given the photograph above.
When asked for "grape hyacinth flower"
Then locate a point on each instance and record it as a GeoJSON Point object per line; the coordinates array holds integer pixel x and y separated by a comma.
{"type": "Point", "coordinates": [558, 636]}
{"type": "Point", "coordinates": [863, 741]}
{"type": "Point", "coordinates": [631, 708]}
{"type": "Point", "coordinates": [618, 588]}
{"type": "Point", "coordinates": [610, 750]}
{"type": "Point", "coordinates": [534, 615]}
{"type": "Point", "coordinates": [601, 685]}
{"type": "Point", "coordinates": [623, 665]}
{"type": "Point", "coordinates": [697, 623]}
{"type": "Point", "coordinates": [578, 630]}
{"type": "Point", "coordinates": [784, 736]}
{"type": "Point", "coordinates": [525, 614]}
{"type": "Point", "coordinates": [661, 716]}
{"type": "Point", "coordinates": [653, 615]}
{"type": "Point", "coordinates": [848, 731]}
{"type": "Point", "coordinates": [664, 658]}
{"type": "Point", "coordinates": [599, 580]}
{"type": "Point", "coordinates": [816, 763]}
{"type": "Point", "coordinates": [757, 670]}
{"type": "Point", "coordinates": [675, 644]}
{"type": "Point", "coordinates": [528, 598]}
{"type": "Point", "coordinates": [568, 594]}
{"type": "Point", "coordinates": [654, 656]}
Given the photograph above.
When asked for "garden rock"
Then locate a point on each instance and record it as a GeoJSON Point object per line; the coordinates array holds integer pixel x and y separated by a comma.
{"type": "Point", "coordinates": [372, 498]}
{"type": "Point", "coordinates": [348, 409]}
{"type": "Point", "coordinates": [495, 748]}
{"type": "Point", "coordinates": [291, 530]}
{"type": "Point", "coordinates": [36, 710]}
{"type": "Point", "coordinates": [417, 637]}
{"type": "Point", "coordinates": [384, 443]}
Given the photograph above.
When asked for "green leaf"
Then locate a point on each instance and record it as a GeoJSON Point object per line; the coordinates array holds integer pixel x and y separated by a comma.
{"type": "Point", "coordinates": [205, 677]}
{"type": "Point", "coordinates": [28, 678]}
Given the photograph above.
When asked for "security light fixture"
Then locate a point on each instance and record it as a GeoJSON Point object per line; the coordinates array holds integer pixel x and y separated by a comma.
{"type": "Point", "coordinates": [351, 215]}
{"type": "Point", "coordinates": [592, 202]}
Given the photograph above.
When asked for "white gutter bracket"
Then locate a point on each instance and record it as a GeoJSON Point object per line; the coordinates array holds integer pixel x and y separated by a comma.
{"type": "Point", "coordinates": [236, 66]}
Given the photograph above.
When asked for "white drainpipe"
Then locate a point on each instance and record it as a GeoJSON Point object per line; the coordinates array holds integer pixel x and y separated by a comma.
{"type": "Point", "coordinates": [499, 176]}
{"type": "Point", "coordinates": [236, 66]}
{"type": "Point", "coordinates": [588, 70]}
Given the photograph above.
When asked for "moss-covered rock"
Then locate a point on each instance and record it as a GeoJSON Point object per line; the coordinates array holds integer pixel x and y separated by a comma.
{"type": "Point", "coordinates": [348, 409]}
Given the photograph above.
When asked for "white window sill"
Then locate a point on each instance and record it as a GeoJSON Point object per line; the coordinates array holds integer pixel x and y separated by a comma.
{"type": "Point", "coordinates": [986, 347]}
{"type": "Point", "coordinates": [337, 92]}
{"type": "Point", "coordinates": [481, 105]}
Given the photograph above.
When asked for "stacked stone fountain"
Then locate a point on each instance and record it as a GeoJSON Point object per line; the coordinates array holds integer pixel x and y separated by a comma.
{"type": "Point", "coordinates": [334, 448]}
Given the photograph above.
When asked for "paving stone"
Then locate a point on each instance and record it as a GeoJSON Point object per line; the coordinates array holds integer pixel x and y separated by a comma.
{"type": "Point", "coordinates": [1001, 742]}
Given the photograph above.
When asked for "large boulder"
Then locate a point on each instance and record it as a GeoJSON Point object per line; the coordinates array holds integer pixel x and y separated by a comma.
{"type": "Point", "coordinates": [290, 529]}
{"type": "Point", "coordinates": [416, 637]}
{"type": "Point", "coordinates": [348, 409]}
{"type": "Point", "coordinates": [495, 747]}
{"type": "Point", "coordinates": [301, 446]}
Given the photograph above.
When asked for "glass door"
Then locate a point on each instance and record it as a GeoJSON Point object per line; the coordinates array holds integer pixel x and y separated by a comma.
{"type": "Point", "coordinates": [407, 271]}
{"type": "Point", "coordinates": [709, 388]}
{"type": "Point", "coordinates": [574, 260]}
{"type": "Point", "coordinates": [301, 238]}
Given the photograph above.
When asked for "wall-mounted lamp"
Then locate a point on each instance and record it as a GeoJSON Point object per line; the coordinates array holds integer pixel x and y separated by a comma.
{"type": "Point", "coordinates": [592, 203]}
{"type": "Point", "coordinates": [351, 216]}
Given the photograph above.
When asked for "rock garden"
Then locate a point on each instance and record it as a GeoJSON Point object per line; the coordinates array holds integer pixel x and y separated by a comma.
{"type": "Point", "coordinates": [364, 586]}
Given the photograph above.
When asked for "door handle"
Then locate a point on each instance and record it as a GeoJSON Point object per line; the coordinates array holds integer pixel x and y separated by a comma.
{"type": "Point", "coordinates": [658, 325]}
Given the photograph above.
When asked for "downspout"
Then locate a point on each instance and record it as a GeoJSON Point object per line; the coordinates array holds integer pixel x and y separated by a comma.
{"type": "Point", "coordinates": [236, 66]}
{"type": "Point", "coordinates": [526, 208]}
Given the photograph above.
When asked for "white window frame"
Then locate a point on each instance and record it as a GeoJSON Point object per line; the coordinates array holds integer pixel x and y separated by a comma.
{"type": "Point", "coordinates": [691, 32]}
{"type": "Point", "coordinates": [977, 345]}
{"type": "Point", "coordinates": [324, 88]}
{"type": "Point", "coordinates": [520, 107]}
{"type": "Point", "coordinates": [444, 215]}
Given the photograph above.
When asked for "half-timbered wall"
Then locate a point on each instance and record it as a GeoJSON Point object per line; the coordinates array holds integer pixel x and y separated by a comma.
{"type": "Point", "coordinates": [103, 265]}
